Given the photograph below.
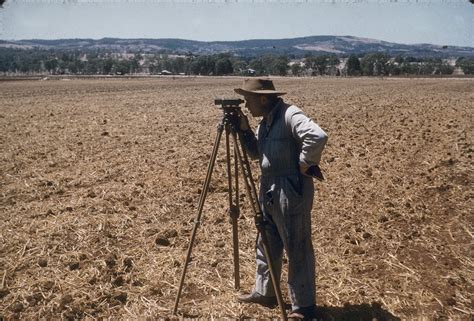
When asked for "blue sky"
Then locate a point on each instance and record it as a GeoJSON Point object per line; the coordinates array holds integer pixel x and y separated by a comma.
{"type": "Point", "coordinates": [442, 22]}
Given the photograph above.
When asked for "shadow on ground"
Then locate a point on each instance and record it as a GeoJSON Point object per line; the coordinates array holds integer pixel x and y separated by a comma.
{"type": "Point", "coordinates": [355, 312]}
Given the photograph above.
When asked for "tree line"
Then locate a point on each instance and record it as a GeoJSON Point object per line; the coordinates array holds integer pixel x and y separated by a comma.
{"type": "Point", "coordinates": [56, 62]}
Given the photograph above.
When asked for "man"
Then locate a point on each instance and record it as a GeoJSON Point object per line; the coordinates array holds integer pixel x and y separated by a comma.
{"type": "Point", "coordinates": [289, 146]}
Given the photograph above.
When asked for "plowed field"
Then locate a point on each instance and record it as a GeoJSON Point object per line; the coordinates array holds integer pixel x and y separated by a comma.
{"type": "Point", "coordinates": [100, 179]}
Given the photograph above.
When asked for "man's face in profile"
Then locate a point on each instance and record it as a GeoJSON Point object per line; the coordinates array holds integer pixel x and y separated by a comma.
{"type": "Point", "coordinates": [256, 105]}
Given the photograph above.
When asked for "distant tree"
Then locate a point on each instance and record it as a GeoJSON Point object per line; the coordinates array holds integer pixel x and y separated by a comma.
{"type": "Point", "coordinates": [466, 64]}
{"type": "Point", "coordinates": [51, 65]}
{"type": "Point", "coordinates": [445, 69]}
{"type": "Point", "coordinates": [427, 68]}
{"type": "Point", "coordinates": [409, 68]}
{"type": "Point", "coordinates": [412, 59]}
{"type": "Point", "coordinates": [317, 63]}
{"type": "Point", "coordinates": [76, 66]}
{"type": "Point", "coordinates": [374, 64]}
{"type": "Point", "coordinates": [138, 56]}
{"type": "Point", "coordinates": [195, 66]}
{"type": "Point", "coordinates": [353, 66]}
{"type": "Point", "coordinates": [166, 63]}
{"type": "Point", "coordinates": [399, 59]}
{"type": "Point", "coordinates": [296, 69]}
{"type": "Point", "coordinates": [223, 66]}
{"type": "Point", "coordinates": [333, 60]}
{"type": "Point", "coordinates": [65, 57]}
{"type": "Point", "coordinates": [121, 67]}
{"type": "Point", "coordinates": [108, 65]}
{"type": "Point", "coordinates": [134, 65]}
{"type": "Point", "coordinates": [394, 69]}
{"type": "Point", "coordinates": [179, 65]}
{"type": "Point", "coordinates": [259, 66]}
{"type": "Point", "coordinates": [95, 65]}
{"type": "Point", "coordinates": [240, 65]}
{"type": "Point", "coordinates": [152, 69]}
{"type": "Point", "coordinates": [280, 66]}
{"type": "Point", "coordinates": [322, 64]}
{"type": "Point", "coordinates": [203, 65]}
{"type": "Point", "coordinates": [270, 65]}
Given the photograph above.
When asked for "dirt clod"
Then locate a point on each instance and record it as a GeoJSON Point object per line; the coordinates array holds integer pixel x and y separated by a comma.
{"type": "Point", "coordinates": [128, 262]}
{"type": "Point", "coordinates": [17, 307]}
{"type": "Point", "coordinates": [4, 293]}
{"type": "Point", "coordinates": [34, 299]}
{"type": "Point", "coordinates": [451, 301]}
{"type": "Point", "coordinates": [48, 285]}
{"type": "Point", "coordinates": [358, 250]}
{"type": "Point", "coordinates": [162, 241]}
{"type": "Point", "coordinates": [74, 265]}
{"type": "Point", "coordinates": [111, 261]}
{"type": "Point", "coordinates": [220, 244]}
{"type": "Point", "coordinates": [43, 262]}
{"type": "Point", "coordinates": [65, 299]}
{"type": "Point", "coordinates": [121, 296]}
{"type": "Point", "coordinates": [119, 281]}
{"type": "Point", "coordinates": [366, 235]}
{"type": "Point", "coordinates": [170, 233]}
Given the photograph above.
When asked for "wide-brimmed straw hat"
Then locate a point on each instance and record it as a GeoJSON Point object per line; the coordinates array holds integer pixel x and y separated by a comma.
{"type": "Point", "coordinates": [258, 86]}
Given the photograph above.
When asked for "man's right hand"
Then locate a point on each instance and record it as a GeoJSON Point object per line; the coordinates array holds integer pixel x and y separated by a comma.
{"type": "Point", "coordinates": [243, 122]}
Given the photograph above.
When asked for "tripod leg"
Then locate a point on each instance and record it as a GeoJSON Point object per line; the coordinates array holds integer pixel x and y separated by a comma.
{"type": "Point", "coordinates": [259, 222]}
{"type": "Point", "coordinates": [233, 211]}
{"type": "Point", "coordinates": [202, 198]}
{"type": "Point", "coordinates": [235, 231]}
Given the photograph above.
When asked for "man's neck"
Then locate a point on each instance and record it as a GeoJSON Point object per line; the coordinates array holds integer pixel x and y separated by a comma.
{"type": "Point", "coordinates": [270, 108]}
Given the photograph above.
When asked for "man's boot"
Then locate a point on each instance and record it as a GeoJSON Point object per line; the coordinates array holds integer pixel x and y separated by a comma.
{"type": "Point", "coordinates": [254, 297]}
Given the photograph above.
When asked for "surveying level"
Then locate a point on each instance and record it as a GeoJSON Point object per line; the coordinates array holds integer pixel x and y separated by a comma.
{"type": "Point", "coordinates": [228, 103]}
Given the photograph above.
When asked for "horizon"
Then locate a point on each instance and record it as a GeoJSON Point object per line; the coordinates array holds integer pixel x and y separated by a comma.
{"type": "Point", "coordinates": [433, 22]}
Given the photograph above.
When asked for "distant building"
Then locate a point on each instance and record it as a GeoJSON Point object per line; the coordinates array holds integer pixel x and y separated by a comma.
{"type": "Point", "coordinates": [249, 72]}
{"type": "Point", "coordinates": [165, 72]}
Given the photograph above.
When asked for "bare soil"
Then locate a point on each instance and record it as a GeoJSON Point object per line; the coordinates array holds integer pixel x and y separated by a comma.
{"type": "Point", "coordinates": [100, 179]}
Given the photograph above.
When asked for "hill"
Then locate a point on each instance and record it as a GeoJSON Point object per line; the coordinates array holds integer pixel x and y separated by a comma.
{"type": "Point", "coordinates": [296, 47]}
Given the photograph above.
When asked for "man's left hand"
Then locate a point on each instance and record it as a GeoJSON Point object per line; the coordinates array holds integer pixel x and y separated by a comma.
{"type": "Point", "coordinates": [311, 171]}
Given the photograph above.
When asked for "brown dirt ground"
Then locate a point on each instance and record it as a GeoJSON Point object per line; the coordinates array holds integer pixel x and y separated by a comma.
{"type": "Point", "coordinates": [100, 181]}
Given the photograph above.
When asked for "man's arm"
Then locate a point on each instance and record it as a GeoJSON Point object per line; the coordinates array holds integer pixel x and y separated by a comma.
{"type": "Point", "coordinates": [312, 140]}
